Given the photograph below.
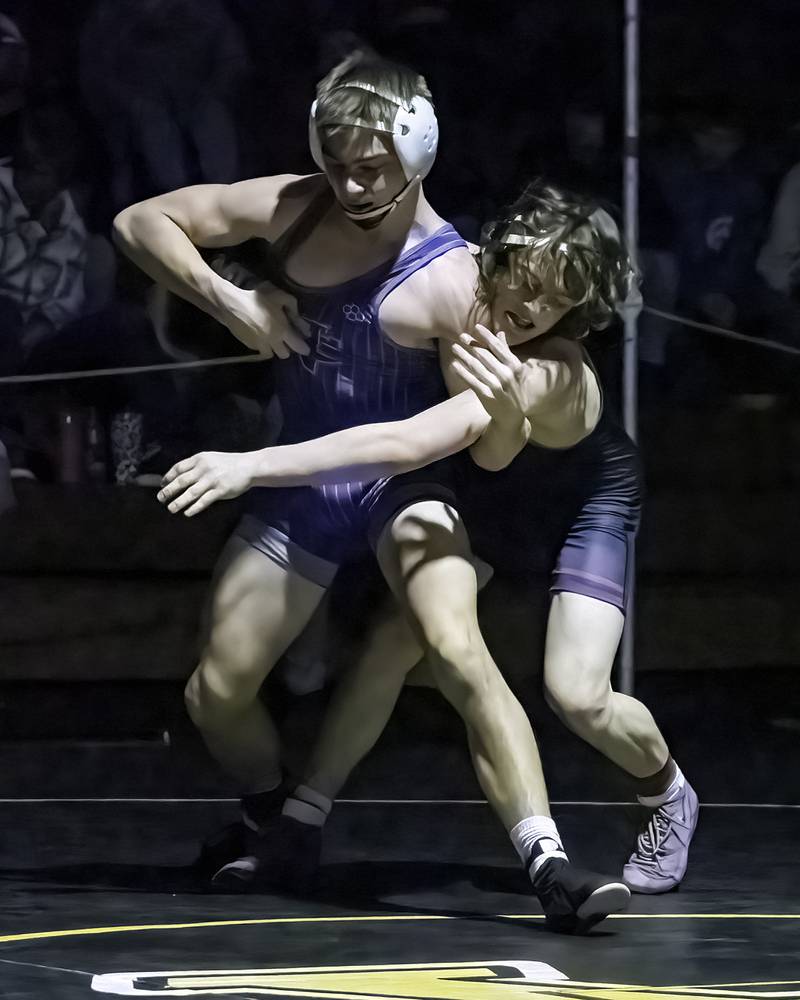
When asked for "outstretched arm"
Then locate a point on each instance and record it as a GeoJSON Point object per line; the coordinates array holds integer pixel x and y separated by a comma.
{"type": "Point", "coordinates": [363, 453]}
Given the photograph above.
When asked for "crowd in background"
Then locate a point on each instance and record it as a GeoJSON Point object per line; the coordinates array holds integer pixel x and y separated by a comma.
{"type": "Point", "coordinates": [106, 102]}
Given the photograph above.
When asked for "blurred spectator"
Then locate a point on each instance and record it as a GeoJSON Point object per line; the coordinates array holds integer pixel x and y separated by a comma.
{"type": "Point", "coordinates": [161, 77]}
{"type": "Point", "coordinates": [14, 66]}
{"type": "Point", "coordinates": [583, 159]}
{"type": "Point", "coordinates": [51, 268]}
{"type": "Point", "coordinates": [44, 246]}
{"type": "Point", "coordinates": [58, 305]}
{"type": "Point", "coordinates": [776, 307]}
{"type": "Point", "coordinates": [658, 263]}
{"type": "Point", "coordinates": [718, 206]}
{"type": "Point", "coordinates": [7, 498]}
{"type": "Point", "coordinates": [779, 260]}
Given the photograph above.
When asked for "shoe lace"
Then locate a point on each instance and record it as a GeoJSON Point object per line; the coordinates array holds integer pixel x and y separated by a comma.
{"type": "Point", "coordinates": [652, 838]}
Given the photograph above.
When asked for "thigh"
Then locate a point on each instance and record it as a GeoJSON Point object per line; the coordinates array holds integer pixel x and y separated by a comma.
{"type": "Point", "coordinates": [583, 634]}
{"type": "Point", "coordinates": [256, 609]}
{"type": "Point", "coordinates": [425, 555]}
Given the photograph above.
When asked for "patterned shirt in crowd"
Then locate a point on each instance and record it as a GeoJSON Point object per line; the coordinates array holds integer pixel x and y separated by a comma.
{"type": "Point", "coordinates": [42, 260]}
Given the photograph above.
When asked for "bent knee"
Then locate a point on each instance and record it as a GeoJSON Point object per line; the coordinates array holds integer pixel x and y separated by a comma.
{"type": "Point", "coordinates": [580, 708]}
{"type": "Point", "coordinates": [215, 697]}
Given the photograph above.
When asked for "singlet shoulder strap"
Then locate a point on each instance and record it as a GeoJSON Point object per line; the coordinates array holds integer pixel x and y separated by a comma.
{"type": "Point", "coordinates": [274, 254]}
{"type": "Point", "coordinates": [591, 366]}
{"type": "Point", "coordinates": [422, 254]}
{"type": "Point", "coordinates": [303, 225]}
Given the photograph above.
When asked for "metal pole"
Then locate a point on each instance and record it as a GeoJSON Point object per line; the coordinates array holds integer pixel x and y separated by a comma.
{"type": "Point", "coordinates": [632, 308]}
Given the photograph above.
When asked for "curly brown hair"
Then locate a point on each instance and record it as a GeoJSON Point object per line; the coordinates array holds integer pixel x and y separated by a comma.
{"type": "Point", "coordinates": [570, 243]}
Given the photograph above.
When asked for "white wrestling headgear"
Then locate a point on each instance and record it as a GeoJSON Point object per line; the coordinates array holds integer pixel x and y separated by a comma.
{"type": "Point", "coordinates": [415, 132]}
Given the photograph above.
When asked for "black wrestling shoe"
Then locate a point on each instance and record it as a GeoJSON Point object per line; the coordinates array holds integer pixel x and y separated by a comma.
{"type": "Point", "coordinates": [231, 842]}
{"type": "Point", "coordinates": [284, 855]}
{"type": "Point", "coordinates": [575, 900]}
{"type": "Point", "coordinates": [221, 847]}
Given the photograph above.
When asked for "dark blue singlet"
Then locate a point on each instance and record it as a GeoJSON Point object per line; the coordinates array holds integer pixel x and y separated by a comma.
{"type": "Point", "coordinates": [353, 375]}
{"type": "Point", "coordinates": [575, 509]}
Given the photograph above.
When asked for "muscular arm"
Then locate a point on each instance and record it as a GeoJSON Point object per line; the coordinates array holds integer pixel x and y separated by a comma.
{"type": "Point", "coordinates": [363, 453]}
{"type": "Point", "coordinates": [562, 411]}
{"type": "Point", "coordinates": [374, 450]}
{"type": "Point", "coordinates": [161, 236]}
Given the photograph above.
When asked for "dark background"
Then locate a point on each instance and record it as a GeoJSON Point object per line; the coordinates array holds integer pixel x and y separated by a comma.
{"type": "Point", "coordinates": [101, 591]}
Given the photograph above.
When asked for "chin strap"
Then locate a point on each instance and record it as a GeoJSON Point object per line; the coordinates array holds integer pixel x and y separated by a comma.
{"type": "Point", "coordinates": [381, 211]}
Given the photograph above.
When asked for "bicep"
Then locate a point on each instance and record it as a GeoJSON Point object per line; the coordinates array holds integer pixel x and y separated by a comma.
{"type": "Point", "coordinates": [215, 215]}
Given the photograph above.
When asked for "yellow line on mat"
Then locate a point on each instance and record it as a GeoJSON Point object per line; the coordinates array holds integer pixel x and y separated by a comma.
{"type": "Point", "coordinates": [127, 929]}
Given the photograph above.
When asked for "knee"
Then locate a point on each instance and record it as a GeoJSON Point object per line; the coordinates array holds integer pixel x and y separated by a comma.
{"type": "Point", "coordinates": [461, 665]}
{"type": "Point", "coordinates": [579, 707]}
{"type": "Point", "coordinates": [214, 698]}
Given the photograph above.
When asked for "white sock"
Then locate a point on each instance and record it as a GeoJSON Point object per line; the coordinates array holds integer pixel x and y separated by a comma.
{"type": "Point", "coordinates": [536, 839]}
{"type": "Point", "coordinates": [672, 792]}
{"type": "Point", "coordinates": [307, 806]}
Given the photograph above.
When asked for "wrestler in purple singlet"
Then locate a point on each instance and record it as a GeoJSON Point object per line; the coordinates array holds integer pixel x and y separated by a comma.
{"type": "Point", "coordinates": [354, 374]}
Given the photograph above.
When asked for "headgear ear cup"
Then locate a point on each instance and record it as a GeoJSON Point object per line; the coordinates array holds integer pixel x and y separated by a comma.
{"type": "Point", "coordinates": [313, 138]}
{"type": "Point", "coordinates": [415, 132]}
{"type": "Point", "coordinates": [416, 138]}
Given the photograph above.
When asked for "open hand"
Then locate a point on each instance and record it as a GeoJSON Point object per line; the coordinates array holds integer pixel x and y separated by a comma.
{"type": "Point", "coordinates": [195, 483]}
{"type": "Point", "coordinates": [491, 369]}
{"type": "Point", "coordinates": [266, 320]}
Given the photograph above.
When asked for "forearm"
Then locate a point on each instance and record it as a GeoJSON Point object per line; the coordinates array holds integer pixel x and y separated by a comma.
{"type": "Point", "coordinates": [357, 454]}
{"type": "Point", "coordinates": [498, 446]}
{"type": "Point", "coordinates": [361, 454]}
{"type": "Point", "coordinates": [163, 251]}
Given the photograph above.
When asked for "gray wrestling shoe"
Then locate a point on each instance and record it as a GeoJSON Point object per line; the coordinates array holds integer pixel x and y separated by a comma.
{"type": "Point", "coordinates": [659, 860]}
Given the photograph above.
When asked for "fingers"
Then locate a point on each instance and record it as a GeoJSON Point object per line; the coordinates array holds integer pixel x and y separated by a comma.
{"type": "Point", "coordinates": [185, 465]}
{"type": "Point", "coordinates": [485, 358]}
{"type": "Point", "coordinates": [478, 387]}
{"type": "Point", "coordinates": [280, 349]}
{"type": "Point", "coordinates": [181, 500]}
{"type": "Point", "coordinates": [176, 487]}
{"type": "Point", "coordinates": [496, 343]}
{"type": "Point", "coordinates": [194, 495]}
{"type": "Point", "coordinates": [203, 503]}
{"type": "Point", "coordinates": [298, 333]}
{"type": "Point", "coordinates": [296, 321]}
{"type": "Point", "coordinates": [182, 491]}
{"type": "Point", "coordinates": [477, 368]}
{"type": "Point", "coordinates": [296, 342]}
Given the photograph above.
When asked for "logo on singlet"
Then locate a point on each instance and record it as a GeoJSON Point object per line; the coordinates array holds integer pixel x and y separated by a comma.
{"type": "Point", "coordinates": [353, 312]}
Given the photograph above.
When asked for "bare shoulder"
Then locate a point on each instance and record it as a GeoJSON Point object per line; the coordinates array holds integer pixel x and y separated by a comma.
{"type": "Point", "coordinates": [436, 301]}
{"type": "Point", "coordinates": [570, 397]}
{"type": "Point", "coordinates": [266, 205]}
{"type": "Point", "coordinates": [549, 348]}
